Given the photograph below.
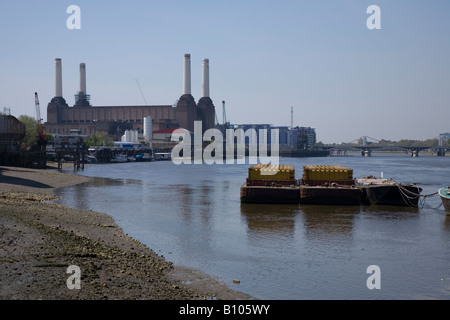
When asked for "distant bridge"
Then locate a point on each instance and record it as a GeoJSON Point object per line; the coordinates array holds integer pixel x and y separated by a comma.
{"type": "Point", "coordinates": [366, 148]}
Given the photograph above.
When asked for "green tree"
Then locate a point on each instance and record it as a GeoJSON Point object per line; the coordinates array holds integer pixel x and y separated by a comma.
{"type": "Point", "coordinates": [100, 138]}
{"type": "Point", "coordinates": [31, 129]}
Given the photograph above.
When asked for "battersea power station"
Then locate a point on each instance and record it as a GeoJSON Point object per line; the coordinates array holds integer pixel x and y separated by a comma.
{"type": "Point", "coordinates": [88, 119]}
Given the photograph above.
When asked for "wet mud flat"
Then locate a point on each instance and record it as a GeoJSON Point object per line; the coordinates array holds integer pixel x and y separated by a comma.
{"type": "Point", "coordinates": [40, 240]}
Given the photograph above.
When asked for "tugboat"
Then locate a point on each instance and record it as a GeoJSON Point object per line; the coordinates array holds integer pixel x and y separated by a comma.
{"type": "Point", "coordinates": [444, 193]}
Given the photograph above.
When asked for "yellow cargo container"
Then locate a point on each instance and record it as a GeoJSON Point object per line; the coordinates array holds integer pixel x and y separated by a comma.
{"type": "Point", "coordinates": [331, 173]}
{"type": "Point", "coordinates": [271, 172]}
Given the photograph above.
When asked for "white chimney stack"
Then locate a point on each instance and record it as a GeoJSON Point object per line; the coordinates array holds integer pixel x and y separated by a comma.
{"type": "Point", "coordinates": [187, 74]}
{"type": "Point", "coordinates": [205, 83]}
{"type": "Point", "coordinates": [58, 78]}
{"type": "Point", "coordinates": [83, 78]}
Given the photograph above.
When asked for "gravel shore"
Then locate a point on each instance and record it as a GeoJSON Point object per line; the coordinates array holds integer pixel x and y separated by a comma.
{"type": "Point", "coordinates": [40, 240]}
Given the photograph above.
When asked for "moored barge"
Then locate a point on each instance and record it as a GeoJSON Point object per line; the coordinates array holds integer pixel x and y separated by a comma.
{"type": "Point", "coordinates": [330, 195]}
{"type": "Point", "coordinates": [270, 184]}
{"type": "Point", "coordinates": [328, 185]}
{"type": "Point", "coordinates": [323, 185]}
{"type": "Point", "coordinates": [388, 192]}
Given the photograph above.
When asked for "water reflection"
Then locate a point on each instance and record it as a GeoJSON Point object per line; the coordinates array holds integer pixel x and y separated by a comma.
{"type": "Point", "coordinates": [320, 221]}
{"type": "Point", "coordinates": [80, 195]}
{"type": "Point", "coordinates": [107, 182]}
{"type": "Point", "coordinates": [390, 212]}
{"type": "Point", "coordinates": [446, 224]}
{"type": "Point", "coordinates": [264, 218]}
{"type": "Point", "coordinates": [184, 194]}
{"type": "Point", "coordinates": [192, 202]}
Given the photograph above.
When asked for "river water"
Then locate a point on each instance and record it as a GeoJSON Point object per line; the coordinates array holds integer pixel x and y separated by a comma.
{"type": "Point", "coordinates": [192, 215]}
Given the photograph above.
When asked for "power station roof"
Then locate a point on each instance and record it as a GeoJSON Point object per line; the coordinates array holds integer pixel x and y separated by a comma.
{"type": "Point", "coordinates": [169, 130]}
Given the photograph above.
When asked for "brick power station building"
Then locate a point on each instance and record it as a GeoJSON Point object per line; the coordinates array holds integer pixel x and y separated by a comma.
{"type": "Point", "coordinates": [115, 120]}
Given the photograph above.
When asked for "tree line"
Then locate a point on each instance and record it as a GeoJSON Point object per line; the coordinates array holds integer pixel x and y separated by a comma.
{"type": "Point", "coordinates": [410, 143]}
{"type": "Point", "coordinates": [31, 135]}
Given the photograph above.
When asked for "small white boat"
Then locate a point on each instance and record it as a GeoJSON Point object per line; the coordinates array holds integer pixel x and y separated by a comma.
{"type": "Point", "coordinates": [444, 193]}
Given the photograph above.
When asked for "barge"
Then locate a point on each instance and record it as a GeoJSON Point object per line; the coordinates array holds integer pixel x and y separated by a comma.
{"type": "Point", "coordinates": [330, 195]}
{"type": "Point", "coordinates": [328, 185]}
{"type": "Point", "coordinates": [323, 185]}
{"type": "Point", "coordinates": [444, 194]}
{"type": "Point", "coordinates": [274, 184]}
{"type": "Point", "coordinates": [388, 192]}
{"type": "Point", "coordinates": [270, 194]}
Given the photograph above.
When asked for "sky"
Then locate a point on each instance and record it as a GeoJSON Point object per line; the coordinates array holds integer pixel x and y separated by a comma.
{"type": "Point", "coordinates": [317, 56]}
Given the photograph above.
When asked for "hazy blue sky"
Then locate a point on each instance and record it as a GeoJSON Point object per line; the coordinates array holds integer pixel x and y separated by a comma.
{"type": "Point", "coordinates": [265, 56]}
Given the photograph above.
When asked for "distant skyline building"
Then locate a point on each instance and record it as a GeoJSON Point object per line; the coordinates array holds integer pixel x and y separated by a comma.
{"type": "Point", "coordinates": [443, 137]}
{"type": "Point", "coordinates": [303, 137]}
{"type": "Point", "coordinates": [115, 120]}
{"type": "Point", "coordinates": [298, 137]}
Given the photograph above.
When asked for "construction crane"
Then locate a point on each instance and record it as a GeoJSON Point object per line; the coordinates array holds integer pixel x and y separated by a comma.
{"type": "Point", "coordinates": [41, 135]}
{"type": "Point", "coordinates": [224, 115]}
{"type": "Point", "coordinates": [38, 109]}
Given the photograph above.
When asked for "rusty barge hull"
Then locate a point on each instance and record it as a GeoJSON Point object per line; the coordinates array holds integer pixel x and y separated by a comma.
{"type": "Point", "coordinates": [331, 195]}
{"type": "Point", "coordinates": [388, 192]}
{"type": "Point", "coordinates": [391, 195]}
{"type": "Point", "coordinates": [270, 194]}
{"type": "Point", "coordinates": [340, 195]}
{"type": "Point", "coordinates": [300, 195]}
{"type": "Point", "coordinates": [323, 185]}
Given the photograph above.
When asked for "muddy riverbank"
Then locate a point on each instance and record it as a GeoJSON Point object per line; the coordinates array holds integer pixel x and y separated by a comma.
{"type": "Point", "coordinates": [40, 240]}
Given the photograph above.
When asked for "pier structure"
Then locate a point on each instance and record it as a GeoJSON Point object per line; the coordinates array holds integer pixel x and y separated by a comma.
{"type": "Point", "coordinates": [69, 148]}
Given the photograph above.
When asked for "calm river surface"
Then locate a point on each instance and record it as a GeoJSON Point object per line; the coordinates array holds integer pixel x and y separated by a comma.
{"type": "Point", "coordinates": [192, 215]}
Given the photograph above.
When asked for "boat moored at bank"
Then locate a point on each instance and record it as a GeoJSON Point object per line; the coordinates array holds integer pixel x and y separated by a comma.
{"type": "Point", "coordinates": [328, 185]}
{"type": "Point", "coordinates": [324, 185]}
{"type": "Point", "coordinates": [388, 192]}
{"type": "Point", "coordinates": [270, 184]}
{"type": "Point", "coordinates": [444, 194]}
